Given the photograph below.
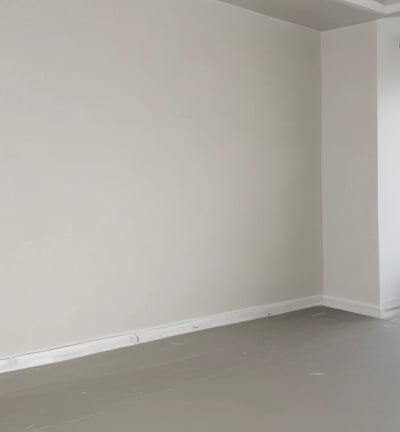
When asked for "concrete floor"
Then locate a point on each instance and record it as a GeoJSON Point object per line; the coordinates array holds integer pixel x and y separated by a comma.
{"type": "Point", "coordinates": [309, 371]}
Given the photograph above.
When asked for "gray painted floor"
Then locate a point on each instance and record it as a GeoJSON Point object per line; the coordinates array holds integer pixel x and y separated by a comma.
{"type": "Point", "coordinates": [312, 371]}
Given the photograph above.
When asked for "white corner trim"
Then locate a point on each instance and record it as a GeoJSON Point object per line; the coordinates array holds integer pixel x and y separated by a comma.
{"type": "Point", "coordinates": [83, 349]}
{"type": "Point", "coordinates": [375, 6]}
{"type": "Point", "coordinates": [347, 305]}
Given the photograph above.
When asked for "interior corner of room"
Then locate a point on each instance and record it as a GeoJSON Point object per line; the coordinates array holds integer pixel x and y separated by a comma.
{"type": "Point", "coordinates": [170, 166]}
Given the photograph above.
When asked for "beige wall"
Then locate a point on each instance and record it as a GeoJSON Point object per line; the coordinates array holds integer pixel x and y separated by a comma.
{"type": "Point", "coordinates": [349, 163]}
{"type": "Point", "coordinates": [159, 160]}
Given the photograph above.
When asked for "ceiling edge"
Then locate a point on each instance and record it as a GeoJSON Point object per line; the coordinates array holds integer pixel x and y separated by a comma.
{"type": "Point", "coordinates": [374, 6]}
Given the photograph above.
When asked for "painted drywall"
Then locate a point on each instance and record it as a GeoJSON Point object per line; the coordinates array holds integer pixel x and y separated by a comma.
{"type": "Point", "coordinates": [159, 161]}
{"type": "Point", "coordinates": [389, 159]}
{"type": "Point", "coordinates": [349, 163]}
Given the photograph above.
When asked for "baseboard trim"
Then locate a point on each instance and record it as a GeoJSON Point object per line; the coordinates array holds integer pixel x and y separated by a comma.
{"type": "Point", "coordinates": [353, 306]}
{"type": "Point", "coordinates": [386, 310]}
{"type": "Point", "coordinates": [389, 305]}
{"type": "Point", "coordinates": [84, 349]}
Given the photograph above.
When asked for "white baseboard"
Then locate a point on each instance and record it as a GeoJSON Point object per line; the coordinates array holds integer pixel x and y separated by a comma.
{"type": "Point", "coordinates": [83, 349]}
{"type": "Point", "coordinates": [386, 310]}
{"type": "Point", "coordinates": [356, 307]}
{"type": "Point", "coordinates": [59, 354]}
{"type": "Point", "coordinates": [389, 305]}
{"type": "Point", "coordinates": [226, 318]}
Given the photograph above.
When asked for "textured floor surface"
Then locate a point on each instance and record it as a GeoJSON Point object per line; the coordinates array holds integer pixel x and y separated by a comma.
{"type": "Point", "coordinates": [309, 371]}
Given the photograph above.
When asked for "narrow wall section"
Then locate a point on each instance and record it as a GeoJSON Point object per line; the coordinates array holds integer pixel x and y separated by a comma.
{"type": "Point", "coordinates": [349, 164]}
{"type": "Point", "coordinates": [389, 159]}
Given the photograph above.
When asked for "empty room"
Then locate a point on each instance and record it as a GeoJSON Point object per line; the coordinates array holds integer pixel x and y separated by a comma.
{"type": "Point", "coordinates": [199, 215]}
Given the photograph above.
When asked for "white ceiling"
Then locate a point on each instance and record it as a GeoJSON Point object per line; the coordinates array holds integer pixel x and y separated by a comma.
{"type": "Point", "coordinates": [322, 14]}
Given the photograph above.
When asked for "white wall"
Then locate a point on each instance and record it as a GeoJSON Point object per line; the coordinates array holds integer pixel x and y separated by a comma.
{"type": "Point", "coordinates": [159, 160]}
{"type": "Point", "coordinates": [389, 159]}
{"type": "Point", "coordinates": [349, 163]}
